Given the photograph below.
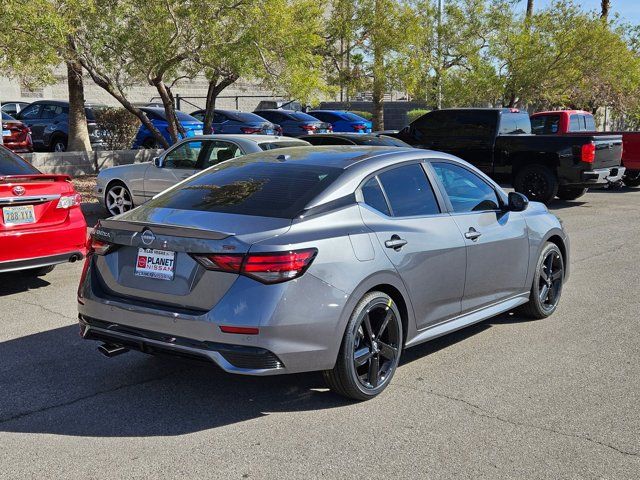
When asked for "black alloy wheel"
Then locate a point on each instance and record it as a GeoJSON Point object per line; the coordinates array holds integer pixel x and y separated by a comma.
{"type": "Point", "coordinates": [370, 350]}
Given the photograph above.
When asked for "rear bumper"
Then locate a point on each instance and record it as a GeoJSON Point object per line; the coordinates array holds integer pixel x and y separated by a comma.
{"type": "Point", "coordinates": [290, 340]}
{"type": "Point", "coordinates": [38, 262]}
{"type": "Point", "coordinates": [231, 358]}
{"type": "Point", "coordinates": [41, 246]}
{"type": "Point", "coordinates": [602, 176]}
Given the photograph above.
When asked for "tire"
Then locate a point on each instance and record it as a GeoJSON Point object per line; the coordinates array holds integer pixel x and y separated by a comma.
{"type": "Point", "coordinates": [571, 193]}
{"type": "Point", "coordinates": [542, 304]}
{"type": "Point", "coordinates": [632, 181]}
{"type": "Point", "coordinates": [39, 272]}
{"type": "Point", "coordinates": [537, 182]}
{"type": "Point", "coordinates": [383, 350]}
{"type": "Point", "coordinates": [117, 198]}
{"type": "Point", "coordinates": [59, 144]}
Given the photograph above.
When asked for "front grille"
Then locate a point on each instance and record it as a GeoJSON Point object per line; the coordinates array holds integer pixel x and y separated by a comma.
{"type": "Point", "coordinates": [240, 356]}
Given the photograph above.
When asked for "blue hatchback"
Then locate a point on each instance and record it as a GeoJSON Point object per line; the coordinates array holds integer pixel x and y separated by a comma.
{"type": "Point", "coordinates": [236, 122]}
{"type": "Point", "coordinates": [145, 139]}
{"type": "Point", "coordinates": [343, 122]}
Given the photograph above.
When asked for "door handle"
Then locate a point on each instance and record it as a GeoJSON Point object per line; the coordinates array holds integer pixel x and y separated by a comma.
{"type": "Point", "coordinates": [395, 242]}
{"type": "Point", "coordinates": [472, 234]}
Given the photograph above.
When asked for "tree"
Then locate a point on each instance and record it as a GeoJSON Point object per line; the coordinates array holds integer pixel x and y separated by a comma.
{"type": "Point", "coordinates": [605, 7]}
{"type": "Point", "coordinates": [34, 37]}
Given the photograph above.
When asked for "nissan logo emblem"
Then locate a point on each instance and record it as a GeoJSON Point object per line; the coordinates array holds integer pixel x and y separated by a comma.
{"type": "Point", "coordinates": [19, 190]}
{"type": "Point", "coordinates": [148, 237]}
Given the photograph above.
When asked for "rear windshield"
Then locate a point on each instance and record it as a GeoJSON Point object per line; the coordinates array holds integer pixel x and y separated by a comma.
{"type": "Point", "coordinates": [353, 117]}
{"type": "Point", "coordinates": [160, 114]}
{"type": "Point", "coordinates": [244, 117]}
{"type": "Point", "coordinates": [301, 116]}
{"type": "Point", "coordinates": [281, 144]}
{"type": "Point", "coordinates": [12, 164]}
{"type": "Point", "coordinates": [382, 141]}
{"type": "Point", "coordinates": [259, 188]}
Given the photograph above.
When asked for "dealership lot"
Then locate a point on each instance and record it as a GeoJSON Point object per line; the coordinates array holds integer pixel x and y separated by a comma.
{"type": "Point", "coordinates": [555, 398]}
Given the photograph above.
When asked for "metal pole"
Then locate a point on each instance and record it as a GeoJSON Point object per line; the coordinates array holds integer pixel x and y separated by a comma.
{"type": "Point", "coordinates": [439, 48]}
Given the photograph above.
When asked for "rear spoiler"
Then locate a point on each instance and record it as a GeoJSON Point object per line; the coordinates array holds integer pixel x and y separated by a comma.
{"type": "Point", "coordinates": [55, 177]}
{"type": "Point", "coordinates": [137, 227]}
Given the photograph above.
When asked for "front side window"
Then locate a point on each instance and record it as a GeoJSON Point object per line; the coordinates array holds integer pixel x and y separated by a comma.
{"type": "Point", "coordinates": [409, 191]}
{"type": "Point", "coordinates": [184, 157]}
{"type": "Point", "coordinates": [467, 192]}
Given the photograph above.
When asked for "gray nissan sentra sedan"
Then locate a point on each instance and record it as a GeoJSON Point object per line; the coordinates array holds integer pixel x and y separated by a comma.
{"type": "Point", "coordinates": [319, 258]}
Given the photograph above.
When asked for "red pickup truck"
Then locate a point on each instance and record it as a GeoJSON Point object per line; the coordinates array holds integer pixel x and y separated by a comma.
{"type": "Point", "coordinates": [566, 122]}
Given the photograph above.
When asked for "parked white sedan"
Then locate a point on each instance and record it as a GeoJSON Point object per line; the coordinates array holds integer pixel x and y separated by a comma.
{"type": "Point", "coordinates": [125, 186]}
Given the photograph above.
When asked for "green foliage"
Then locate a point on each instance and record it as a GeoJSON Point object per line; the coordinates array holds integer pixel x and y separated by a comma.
{"type": "Point", "coordinates": [118, 127]}
{"type": "Point", "coordinates": [415, 114]}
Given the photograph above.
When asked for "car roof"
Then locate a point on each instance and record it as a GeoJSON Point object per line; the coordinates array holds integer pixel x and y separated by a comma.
{"type": "Point", "coordinates": [246, 138]}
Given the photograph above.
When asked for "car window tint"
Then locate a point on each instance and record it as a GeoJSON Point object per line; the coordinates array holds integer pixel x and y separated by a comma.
{"type": "Point", "coordinates": [184, 157]}
{"type": "Point", "coordinates": [30, 112]}
{"type": "Point", "coordinates": [217, 117]}
{"type": "Point", "coordinates": [466, 190]}
{"type": "Point", "coordinates": [200, 116]}
{"type": "Point", "coordinates": [218, 151]}
{"type": "Point", "coordinates": [545, 124]}
{"type": "Point", "coordinates": [281, 144]}
{"type": "Point", "coordinates": [373, 196]}
{"type": "Point", "coordinates": [251, 187]}
{"type": "Point", "coordinates": [352, 117]}
{"type": "Point", "coordinates": [590, 123]}
{"type": "Point", "coordinates": [409, 191]}
{"type": "Point", "coordinates": [12, 164]}
{"type": "Point", "coordinates": [301, 117]}
{"type": "Point", "coordinates": [323, 116]}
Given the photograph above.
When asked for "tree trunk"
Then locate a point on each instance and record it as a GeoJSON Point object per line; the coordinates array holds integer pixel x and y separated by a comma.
{"type": "Point", "coordinates": [107, 84]}
{"type": "Point", "coordinates": [78, 140]}
{"type": "Point", "coordinates": [529, 8]}
{"type": "Point", "coordinates": [175, 127]}
{"type": "Point", "coordinates": [213, 91]}
{"type": "Point", "coordinates": [379, 79]}
{"type": "Point", "coordinates": [606, 6]}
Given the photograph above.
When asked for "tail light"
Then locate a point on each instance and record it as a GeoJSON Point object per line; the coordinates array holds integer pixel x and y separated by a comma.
{"type": "Point", "coordinates": [359, 128]}
{"type": "Point", "coordinates": [250, 130]}
{"type": "Point", "coordinates": [308, 128]}
{"type": "Point", "coordinates": [588, 152]}
{"type": "Point", "coordinates": [94, 247]}
{"type": "Point", "coordinates": [69, 201]}
{"type": "Point", "coordinates": [273, 267]}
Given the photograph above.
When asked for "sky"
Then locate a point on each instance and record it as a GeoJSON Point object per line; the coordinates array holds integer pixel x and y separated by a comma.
{"type": "Point", "coordinates": [629, 10]}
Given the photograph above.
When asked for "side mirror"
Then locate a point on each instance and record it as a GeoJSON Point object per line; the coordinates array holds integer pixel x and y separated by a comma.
{"type": "Point", "coordinates": [517, 202]}
{"type": "Point", "coordinates": [157, 161]}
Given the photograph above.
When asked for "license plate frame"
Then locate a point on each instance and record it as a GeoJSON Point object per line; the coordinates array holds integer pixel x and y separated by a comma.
{"type": "Point", "coordinates": [155, 263]}
{"type": "Point", "coordinates": [18, 215]}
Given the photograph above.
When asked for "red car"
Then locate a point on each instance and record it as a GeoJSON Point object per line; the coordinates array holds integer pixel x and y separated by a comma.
{"type": "Point", "coordinates": [41, 223]}
{"type": "Point", "coordinates": [566, 122]}
{"type": "Point", "coordinates": [16, 135]}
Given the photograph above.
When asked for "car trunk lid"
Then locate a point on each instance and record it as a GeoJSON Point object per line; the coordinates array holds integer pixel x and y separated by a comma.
{"type": "Point", "coordinates": [29, 201]}
{"type": "Point", "coordinates": [152, 255]}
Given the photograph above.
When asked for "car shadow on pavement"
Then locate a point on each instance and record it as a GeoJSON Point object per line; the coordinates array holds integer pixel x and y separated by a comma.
{"type": "Point", "coordinates": [54, 382]}
{"type": "Point", "coordinates": [17, 282]}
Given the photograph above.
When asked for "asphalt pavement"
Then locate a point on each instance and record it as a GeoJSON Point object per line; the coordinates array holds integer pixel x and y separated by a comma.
{"type": "Point", "coordinates": [508, 398]}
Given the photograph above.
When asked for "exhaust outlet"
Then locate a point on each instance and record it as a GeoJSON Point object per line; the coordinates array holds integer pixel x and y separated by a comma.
{"type": "Point", "coordinates": [111, 349]}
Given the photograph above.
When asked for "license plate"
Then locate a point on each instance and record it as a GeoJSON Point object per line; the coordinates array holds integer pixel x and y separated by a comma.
{"type": "Point", "coordinates": [6, 133]}
{"type": "Point", "coordinates": [322, 130]}
{"type": "Point", "coordinates": [268, 132]}
{"type": "Point", "coordinates": [154, 263]}
{"type": "Point", "coordinates": [18, 215]}
{"type": "Point", "coordinates": [197, 132]}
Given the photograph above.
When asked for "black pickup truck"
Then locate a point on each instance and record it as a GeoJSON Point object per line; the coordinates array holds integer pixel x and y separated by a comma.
{"type": "Point", "coordinates": [499, 142]}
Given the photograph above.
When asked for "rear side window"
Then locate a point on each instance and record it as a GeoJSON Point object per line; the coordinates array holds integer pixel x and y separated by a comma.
{"type": "Point", "coordinates": [373, 196]}
{"type": "Point", "coordinates": [267, 189]}
{"type": "Point", "coordinates": [467, 192]}
{"type": "Point", "coordinates": [409, 191]}
{"type": "Point", "coordinates": [12, 164]}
